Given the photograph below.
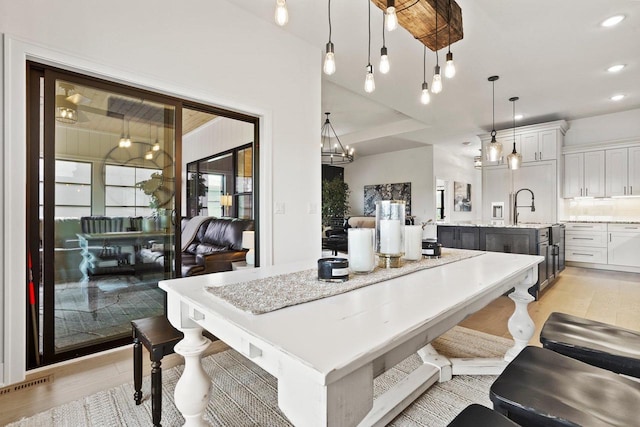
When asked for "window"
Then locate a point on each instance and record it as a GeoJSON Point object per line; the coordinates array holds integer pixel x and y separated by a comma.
{"type": "Point", "coordinates": [73, 188]}
{"type": "Point", "coordinates": [122, 197]}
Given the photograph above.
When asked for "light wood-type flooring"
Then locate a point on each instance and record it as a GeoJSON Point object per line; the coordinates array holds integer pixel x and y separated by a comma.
{"type": "Point", "coordinates": [607, 296]}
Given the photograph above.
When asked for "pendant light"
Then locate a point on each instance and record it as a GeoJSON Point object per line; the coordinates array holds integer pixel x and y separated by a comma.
{"type": "Point", "coordinates": [391, 17]}
{"type": "Point", "coordinates": [125, 140]}
{"type": "Point", "coordinates": [425, 98]}
{"type": "Point", "coordinates": [514, 160]}
{"type": "Point", "coordinates": [336, 154]}
{"type": "Point", "coordinates": [282, 14]}
{"type": "Point", "coordinates": [329, 58]}
{"type": "Point", "coordinates": [436, 83]}
{"type": "Point", "coordinates": [369, 82]}
{"type": "Point", "coordinates": [156, 145]}
{"type": "Point", "coordinates": [494, 149]}
{"type": "Point", "coordinates": [450, 68]}
{"type": "Point", "coordinates": [384, 58]}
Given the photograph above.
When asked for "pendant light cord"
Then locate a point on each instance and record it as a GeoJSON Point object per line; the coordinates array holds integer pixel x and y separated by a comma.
{"type": "Point", "coordinates": [449, 24]}
{"type": "Point", "coordinates": [493, 103]}
{"type": "Point", "coordinates": [424, 65]}
{"type": "Point", "coordinates": [436, 47]}
{"type": "Point", "coordinates": [329, 21]}
{"type": "Point", "coordinates": [514, 124]}
{"type": "Point", "coordinates": [384, 19]}
{"type": "Point", "coordinates": [369, 54]}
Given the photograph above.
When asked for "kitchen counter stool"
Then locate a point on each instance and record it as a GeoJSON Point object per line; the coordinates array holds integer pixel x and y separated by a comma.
{"type": "Point", "coordinates": [476, 415]}
{"type": "Point", "coordinates": [598, 344]}
{"type": "Point", "coordinates": [541, 388]}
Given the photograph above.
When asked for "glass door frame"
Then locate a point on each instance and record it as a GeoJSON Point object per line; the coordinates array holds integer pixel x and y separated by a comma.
{"type": "Point", "coordinates": [34, 72]}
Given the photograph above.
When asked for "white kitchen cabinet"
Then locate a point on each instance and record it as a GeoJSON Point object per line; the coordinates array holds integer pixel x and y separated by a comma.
{"type": "Point", "coordinates": [624, 245]}
{"type": "Point", "coordinates": [539, 146]}
{"type": "Point", "coordinates": [586, 242]}
{"type": "Point", "coordinates": [634, 170]}
{"type": "Point", "coordinates": [584, 174]}
{"type": "Point", "coordinates": [616, 172]}
{"type": "Point", "coordinates": [540, 142]}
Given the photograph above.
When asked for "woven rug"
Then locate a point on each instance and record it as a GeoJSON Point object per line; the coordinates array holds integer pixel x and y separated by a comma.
{"type": "Point", "coordinates": [244, 395]}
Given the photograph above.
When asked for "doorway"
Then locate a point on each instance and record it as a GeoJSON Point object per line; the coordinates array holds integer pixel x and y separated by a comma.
{"type": "Point", "coordinates": [101, 159]}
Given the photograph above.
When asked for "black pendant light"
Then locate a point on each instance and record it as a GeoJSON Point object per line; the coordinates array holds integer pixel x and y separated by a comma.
{"type": "Point", "coordinates": [514, 160]}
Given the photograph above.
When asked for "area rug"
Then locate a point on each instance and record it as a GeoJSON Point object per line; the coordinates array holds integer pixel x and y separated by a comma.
{"type": "Point", "coordinates": [244, 395]}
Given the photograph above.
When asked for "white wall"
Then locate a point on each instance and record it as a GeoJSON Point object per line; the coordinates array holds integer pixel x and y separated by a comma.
{"type": "Point", "coordinates": [208, 51]}
{"type": "Point", "coordinates": [604, 128]}
{"type": "Point", "coordinates": [414, 166]}
{"type": "Point", "coordinates": [217, 136]}
{"type": "Point", "coordinates": [450, 166]}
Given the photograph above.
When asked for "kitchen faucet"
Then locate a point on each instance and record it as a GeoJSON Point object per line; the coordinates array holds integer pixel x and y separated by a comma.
{"type": "Point", "coordinates": [515, 205]}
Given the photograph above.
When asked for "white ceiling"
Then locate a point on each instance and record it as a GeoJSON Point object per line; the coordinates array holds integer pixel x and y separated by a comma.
{"type": "Point", "coordinates": [552, 54]}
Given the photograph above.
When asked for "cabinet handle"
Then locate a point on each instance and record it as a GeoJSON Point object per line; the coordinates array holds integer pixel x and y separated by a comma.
{"type": "Point", "coordinates": [625, 191]}
{"type": "Point", "coordinates": [535, 155]}
{"type": "Point", "coordinates": [541, 155]}
{"type": "Point", "coordinates": [582, 238]}
{"type": "Point", "coordinates": [578, 253]}
{"type": "Point", "coordinates": [586, 192]}
{"type": "Point", "coordinates": [582, 226]}
{"type": "Point", "coordinates": [631, 189]}
{"type": "Point", "coordinates": [581, 192]}
{"type": "Point", "coordinates": [631, 228]}
{"type": "Point", "coordinates": [609, 236]}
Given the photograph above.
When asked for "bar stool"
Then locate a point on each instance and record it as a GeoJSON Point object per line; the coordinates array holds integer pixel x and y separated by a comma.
{"type": "Point", "coordinates": [159, 337]}
{"type": "Point", "coordinates": [476, 415]}
{"type": "Point", "coordinates": [598, 344]}
{"type": "Point", "coordinates": [541, 388]}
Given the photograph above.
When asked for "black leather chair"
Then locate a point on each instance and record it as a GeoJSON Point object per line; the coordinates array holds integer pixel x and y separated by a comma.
{"type": "Point", "coordinates": [541, 388]}
{"type": "Point", "coordinates": [598, 344]}
{"type": "Point", "coordinates": [476, 415]}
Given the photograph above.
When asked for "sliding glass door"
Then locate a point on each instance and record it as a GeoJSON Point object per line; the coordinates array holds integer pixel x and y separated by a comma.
{"type": "Point", "coordinates": [101, 211]}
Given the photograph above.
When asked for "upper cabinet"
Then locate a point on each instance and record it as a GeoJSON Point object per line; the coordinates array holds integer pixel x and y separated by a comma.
{"type": "Point", "coordinates": [602, 170]}
{"type": "Point", "coordinates": [584, 174]}
{"type": "Point", "coordinates": [623, 172]}
{"type": "Point", "coordinates": [535, 143]}
{"type": "Point", "coordinates": [539, 146]}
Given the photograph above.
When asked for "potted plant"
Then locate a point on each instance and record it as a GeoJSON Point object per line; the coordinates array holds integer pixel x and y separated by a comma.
{"type": "Point", "coordinates": [151, 187]}
{"type": "Point", "coordinates": [335, 200]}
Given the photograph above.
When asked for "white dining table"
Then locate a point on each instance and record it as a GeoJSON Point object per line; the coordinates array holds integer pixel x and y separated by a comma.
{"type": "Point", "coordinates": [326, 353]}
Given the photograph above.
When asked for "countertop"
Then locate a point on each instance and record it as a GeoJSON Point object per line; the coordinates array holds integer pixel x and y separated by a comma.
{"type": "Point", "coordinates": [608, 221]}
{"type": "Point", "coordinates": [536, 226]}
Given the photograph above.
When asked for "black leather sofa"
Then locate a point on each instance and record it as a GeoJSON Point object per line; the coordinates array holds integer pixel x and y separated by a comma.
{"type": "Point", "coordinates": [211, 248]}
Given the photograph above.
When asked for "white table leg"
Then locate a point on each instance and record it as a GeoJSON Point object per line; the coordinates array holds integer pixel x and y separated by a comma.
{"type": "Point", "coordinates": [193, 387]}
{"type": "Point", "coordinates": [521, 325]}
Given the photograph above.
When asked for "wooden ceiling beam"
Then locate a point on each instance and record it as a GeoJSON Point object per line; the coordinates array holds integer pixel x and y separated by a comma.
{"type": "Point", "coordinates": [419, 18]}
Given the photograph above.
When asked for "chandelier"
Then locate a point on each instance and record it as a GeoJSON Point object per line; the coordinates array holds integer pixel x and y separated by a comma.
{"type": "Point", "coordinates": [333, 152]}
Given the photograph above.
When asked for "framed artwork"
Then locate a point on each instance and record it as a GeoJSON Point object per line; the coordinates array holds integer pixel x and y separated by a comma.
{"type": "Point", "coordinates": [461, 197]}
{"type": "Point", "coordinates": [373, 193]}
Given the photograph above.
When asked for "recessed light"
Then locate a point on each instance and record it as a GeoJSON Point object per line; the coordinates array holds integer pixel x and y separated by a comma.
{"type": "Point", "coordinates": [614, 20]}
{"type": "Point", "coordinates": [616, 68]}
{"type": "Point", "coordinates": [518, 116]}
{"type": "Point", "coordinates": [616, 97]}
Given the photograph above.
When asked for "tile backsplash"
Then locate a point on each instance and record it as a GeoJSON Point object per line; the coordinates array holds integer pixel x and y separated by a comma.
{"type": "Point", "coordinates": [618, 209]}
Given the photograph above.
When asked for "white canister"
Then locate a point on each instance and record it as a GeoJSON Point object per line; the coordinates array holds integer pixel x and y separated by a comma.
{"type": "Point", "coordinates": [361, 249]}
{"type": "Point", "coordinates": [412, 242]}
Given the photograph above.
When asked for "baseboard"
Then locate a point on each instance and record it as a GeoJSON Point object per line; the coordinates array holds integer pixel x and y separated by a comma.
{"type": "Point", "coordinates": [604, 266]}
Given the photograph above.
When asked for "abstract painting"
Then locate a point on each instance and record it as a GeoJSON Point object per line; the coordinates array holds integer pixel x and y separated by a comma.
{"type": "Point", "coordinates": [461, 197]}
{"type": "Point", "coordinates": [373, 193]}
